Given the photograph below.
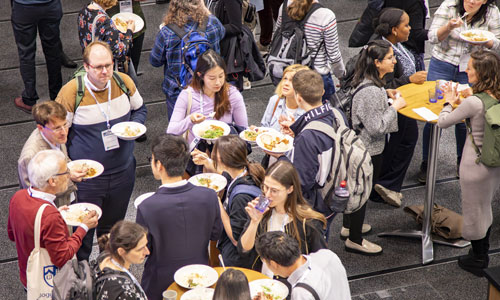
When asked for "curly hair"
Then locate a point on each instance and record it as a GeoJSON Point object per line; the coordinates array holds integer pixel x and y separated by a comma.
{"type": "Point", "coordinates": [486, 65]}
{"type": "Point", "coordinates": [180, 12]}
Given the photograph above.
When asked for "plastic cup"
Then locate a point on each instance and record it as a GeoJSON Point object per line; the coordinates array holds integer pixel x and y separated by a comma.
{"type": "Point", "coordinates": [169, 295]}
{"type": "Point", "coordinates": [432, 95]}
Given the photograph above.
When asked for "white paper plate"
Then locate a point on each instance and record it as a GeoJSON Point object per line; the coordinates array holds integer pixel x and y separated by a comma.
{"type": "Point", "coordinates": [141, 198]}
{"type": "Point", "coordinates": [136, 128]}
{"type": "Point", "coordinates": [200, 128]}
{"type": "Point", "coordinates": [277, 289]}
{"type": "Point", "coordinates": [139, 22]}
{"type": "Point", "coordinates": [258, 130]}
{"type": "Point", "coordinates": [75, 210]}
{"type": "Point", "coordinates": [271, 136]}
{"type": "Point", "coordinates": [198, 294]}
{"type": "Point", "coordinates": [483, 33]}
{"type": "Point", "coordinates": [204, 276]}
{"type": "Point", "coordinates": [77, 164]}
{"type": "Point", "coordinates": [216, 179]}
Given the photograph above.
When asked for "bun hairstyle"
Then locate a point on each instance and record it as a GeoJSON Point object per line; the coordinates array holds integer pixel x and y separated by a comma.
{"type": "Point", "coordinates": [125, 235]}
{"type": "Point", "coordinates": [386, 20]}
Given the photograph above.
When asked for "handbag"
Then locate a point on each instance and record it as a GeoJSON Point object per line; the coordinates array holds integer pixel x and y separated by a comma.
{"type": "Point", "coordinates": [40, 271]}
{"type": "Point", "coordinates": [445, 222]}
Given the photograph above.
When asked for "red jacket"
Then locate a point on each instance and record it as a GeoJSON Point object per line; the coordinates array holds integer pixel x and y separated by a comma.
{"type": "Point", "coordinates": [54, 236]}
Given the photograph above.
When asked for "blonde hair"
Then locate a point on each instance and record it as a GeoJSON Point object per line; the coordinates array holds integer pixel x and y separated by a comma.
{"type": "Point", "coordinates": [298, 9]}
{"type": "Point", "coordinates": [181, 11]}
{"type": "Point", "coordinates": [290, 69]}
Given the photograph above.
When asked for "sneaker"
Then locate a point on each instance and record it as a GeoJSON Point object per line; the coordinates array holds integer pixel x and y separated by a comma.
{"type": "Point", "coordinates": [246, 84]}
{"type": "Point", "coordinates": [18, 102]}
{"type": "Point", "coordinates": [391, 197]}
{"type": "Point", "coordinates": [366, 247]}
{"type": "Point", "coordinates": [344, 232]}
{"type": "Point", "coordinates": [422, 174]}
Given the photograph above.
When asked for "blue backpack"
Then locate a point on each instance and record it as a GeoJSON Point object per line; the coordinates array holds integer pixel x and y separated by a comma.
{"type": "Point", "coordinates": [193, 44]}
{"type": "Point", "coordinates": [251, 190]}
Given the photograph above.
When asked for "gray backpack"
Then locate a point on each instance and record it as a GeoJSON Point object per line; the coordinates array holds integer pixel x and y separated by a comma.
{"type": "Point", "coordinates": [350, 162]}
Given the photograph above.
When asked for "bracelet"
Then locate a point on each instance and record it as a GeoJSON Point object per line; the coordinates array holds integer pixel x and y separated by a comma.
{"type": "Point", "coordinates": [446, 104]}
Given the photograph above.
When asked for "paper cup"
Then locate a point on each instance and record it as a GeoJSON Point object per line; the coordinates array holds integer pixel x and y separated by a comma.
{"type": "Point", "coordinates": [169, 295]}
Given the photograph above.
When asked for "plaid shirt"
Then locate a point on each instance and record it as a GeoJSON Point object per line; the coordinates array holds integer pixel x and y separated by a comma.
{"type": "Point", "coordinates": [167, 52]}
{"type": "Point", "coordinates": [451, 48]}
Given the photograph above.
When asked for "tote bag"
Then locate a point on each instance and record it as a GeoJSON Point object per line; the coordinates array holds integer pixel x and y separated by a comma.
{"type": "Point", "coordinates": [40, 271]}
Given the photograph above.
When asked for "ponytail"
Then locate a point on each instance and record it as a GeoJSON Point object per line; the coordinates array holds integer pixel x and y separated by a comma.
{"type": "Point", "coordinates": [257, 172]}
{"type": "Point", "coordinates": [365, 66]}
{"type": "Point", "coordinates": [298, 9]}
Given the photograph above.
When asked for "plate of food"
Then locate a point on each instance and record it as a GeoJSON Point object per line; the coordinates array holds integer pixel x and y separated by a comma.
{"type": "Point", "coordinates": [141, 198]}
{"type": "Point", "coordinates": [211, 130]}
{"type": "Point", "coordinates": [250, 134]}
{"type": "Point", "coordinates": [477, 36]}
{"type": "Point", "coordinates": [94, 168]}
{"type": "Point", "coordinates": [199, 293]}
{"type": "Point", "coordinates": [128, 130]}
{"type": "Point", "coordinates": [270, 289]}
{"type": "Point", "coordinates": [194, 276]}
{"type": "Point", "coordinates": [121, 19]}
{"type": "Point", "coordinates": [212, 181]}
{"type": "Point", "coordinates": [75, 213]}
{"type": "Point", "coordinates": [274, 142]}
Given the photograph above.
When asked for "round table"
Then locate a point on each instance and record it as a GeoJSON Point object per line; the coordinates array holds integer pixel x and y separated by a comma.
{"type": "Point", "coordinates": [250, 274]}
{"type": "Point", "coordinates": [417, 95]}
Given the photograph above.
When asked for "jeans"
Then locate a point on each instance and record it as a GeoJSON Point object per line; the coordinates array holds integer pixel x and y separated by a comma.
{"type": "Point", "coordinates": [445, 71]}
{"type": "Point", "coordinates": [329, 87]}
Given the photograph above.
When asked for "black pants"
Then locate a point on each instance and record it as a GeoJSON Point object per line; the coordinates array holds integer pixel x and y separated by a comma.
{"type": "Point", "coordinates": [267, 17]}
{"type": "Point", "coordinates": [26, 21]}
{"type": "Point", "coordinates": [398, 153]}
{"type": "Point", "coordinates": [135, 50]}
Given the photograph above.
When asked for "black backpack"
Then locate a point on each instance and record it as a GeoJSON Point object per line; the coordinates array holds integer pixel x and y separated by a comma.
{"type": "Point", "coordinates": [248, 12]}
{"type": "Point", "coordinates": [289, 45]}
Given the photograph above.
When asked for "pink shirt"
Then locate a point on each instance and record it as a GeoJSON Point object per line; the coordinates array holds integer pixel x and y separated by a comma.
{"type": "Point", "coordinates": [180, 122]}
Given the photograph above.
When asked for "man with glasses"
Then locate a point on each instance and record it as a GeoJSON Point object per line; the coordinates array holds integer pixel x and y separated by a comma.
{"type": "Point", "coordinates": [51, 133]}
{"type": "Point", "coordinates": [104, 103]}
{"type": "Point", "coordinates": [48, 175]}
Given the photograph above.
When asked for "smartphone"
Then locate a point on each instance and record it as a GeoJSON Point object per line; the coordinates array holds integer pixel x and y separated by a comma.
{"type": "Point", "coordinates": [263, 203]}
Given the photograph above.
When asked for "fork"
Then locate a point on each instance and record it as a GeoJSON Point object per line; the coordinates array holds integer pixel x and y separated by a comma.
{"type": "Point", "coordinates": [464, 20]}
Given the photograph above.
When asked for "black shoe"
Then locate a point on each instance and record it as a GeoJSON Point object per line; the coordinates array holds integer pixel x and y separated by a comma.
{"type": "Point", "coordinates": [67, 62]}
{"type": "Point", "coordinates": [162, 1]}
{"type": "Point", "coordinates": [458, 166]}
{"type": "Point", "coordinates": [142, 138]}
{"type": "Point", "coordinates": [473, 263]}
{"type": "Point", "coordinates": [422, 174]}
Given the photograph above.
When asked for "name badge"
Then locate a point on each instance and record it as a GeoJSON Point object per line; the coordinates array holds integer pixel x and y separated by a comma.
{"type": "Point", "coordinates": [193, 144]}
{"type": "Point", "coordinates": [126, 6]}
{"type": "Point", "coordinates": [109, 140]}
{"type": "Point", "coordinates": [464, 59]}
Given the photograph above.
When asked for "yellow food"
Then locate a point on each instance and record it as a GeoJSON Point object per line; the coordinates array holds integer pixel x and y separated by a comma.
{"type": "Point", "coordinates": [213, 133]}
{"type": "Point", "coordinates": [207, 182]}
{"type": "Point", "coordinates": [128, 131]}
{"type": "Point", "coordinates": [474, 37]}
{"type": "Point", "coordinates": [250, 135]}
{"type": "Point", "coordinates": [195, 279]}
{"type": "Point", "coordinates": [90, 171]}
{"type": "Point", "coordinates": [120, 24]}
{"type": "Point", "coordinates": [275, 143]}
{"type": "Point", "coordinates": [76, 215]}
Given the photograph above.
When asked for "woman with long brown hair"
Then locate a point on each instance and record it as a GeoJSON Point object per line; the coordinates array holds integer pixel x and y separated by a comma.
{"type": "Point", "coordinates": [208, 96]}
{"type": "Point", "coordinates": [288, 211]}
{"type": "Point", "coordinates": [478, 182]}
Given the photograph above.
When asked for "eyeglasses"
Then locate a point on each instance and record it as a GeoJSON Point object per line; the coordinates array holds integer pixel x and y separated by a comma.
{"type": "Point", "coordinates": [58, 129]}
{"type": "Point", "coordinates": [273, 191]}
{"type": "Point", "coordinates": [61, 174]}
{"type": "Point", "coordinates": [101, 68]}
{"type": "Point", "coordinates": [393, 58]}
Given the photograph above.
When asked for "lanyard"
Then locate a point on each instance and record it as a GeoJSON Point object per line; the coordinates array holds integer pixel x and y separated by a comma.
{"type": "Point", "coordinates": [301, 279]}
{"type": "Point", "coordinates": [131, 277]}
{"type": "Point", "coordinates": [202, 97]}
{"type": "Point", "coordinates": [108, 86]}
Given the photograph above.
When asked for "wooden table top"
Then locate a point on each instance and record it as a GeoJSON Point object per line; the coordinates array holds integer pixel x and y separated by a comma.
{"type": "Point", "coordinates": [250, 274]}
{"type": "Point", "coordinates": [416, 95]}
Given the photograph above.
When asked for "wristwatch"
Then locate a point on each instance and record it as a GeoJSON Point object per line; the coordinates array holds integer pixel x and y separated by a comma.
{"type": "Point", "coordinates": [446, 104]}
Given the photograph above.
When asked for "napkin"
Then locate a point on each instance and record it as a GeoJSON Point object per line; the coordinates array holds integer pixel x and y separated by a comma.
{"type": "Point", "coordinates": [426, 113]}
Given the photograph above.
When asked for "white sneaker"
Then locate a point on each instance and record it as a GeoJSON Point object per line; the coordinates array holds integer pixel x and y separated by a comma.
{"type": "Point", "coordinates": [246, 84]}
{"type": "Point", "coordinates": [344, 232]}
{"type": "Point", "coordinates": [391, 197]}
{"type": "Point", "coordinates": [366, 247]}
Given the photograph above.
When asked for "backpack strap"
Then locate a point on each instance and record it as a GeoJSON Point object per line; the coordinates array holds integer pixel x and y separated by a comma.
{"type": "Point", "coordinates": [80, 88]}
{"type": "Point", "coordinates": [202, 28]}
{"type": "Point", "coordinates": [119, 80]}
{"type": "Point", "coordinates": [315, 6]}
{"type": "Point", "coordinates": [309, 288]}
{"type": "Point", "coordinates": [177, 30]}
{"type": "Point", "coordinates": [251, 190]}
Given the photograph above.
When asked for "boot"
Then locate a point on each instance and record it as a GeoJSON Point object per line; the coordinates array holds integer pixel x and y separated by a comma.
{"type": "Point", "coordinates": [477, 260]}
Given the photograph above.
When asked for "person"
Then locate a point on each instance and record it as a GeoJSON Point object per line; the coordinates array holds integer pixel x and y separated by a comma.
{"type": "Point", "coordinates": [177, 207]}
{"type": "Point", "coordinates": [267, 17]}
{"type": "Point", "coordinates": [27, 17]}
{"type": "Point", "coordinates": [208, 93]}
{"type": "Point", "coordinates": [232, 285]}
{"type": "Point", "coordinates": [283, 103]}
{"type": "Point", "coordinates": [320, 32]}
{"type": "Point", "coordinates": [450, 54]}
{"type": "Point", "coordinates": [105, 30]}
{"type": "Point", "coordinates": [311, 155]}
{"type": "Point", "coordinates": [478, 182]}
{"type": "Point", "coordinates": [320, 272]}
{"type": "Point", "coordinates": [166, 52]}
{"type": "Point", "coordinates": [48, 175]}
{"type": "Point", "coordinates": [288, 211]}
{"type": "Point", "coordinates": [229, 158]}
{"type": "Point", "coordinates": [393, 26]}
{"type": "Point", "coordinates": [51, 133]}
{"type": "Point", "coordinates": [124, 246]}
{"type": "Point", "coordinates": [103, 104]}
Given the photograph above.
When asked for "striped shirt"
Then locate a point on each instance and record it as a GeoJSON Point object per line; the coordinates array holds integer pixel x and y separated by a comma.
{"type": "Point", "coordinates": [452, 47]}
{"type": "Point", "coordinates": [322, 25]}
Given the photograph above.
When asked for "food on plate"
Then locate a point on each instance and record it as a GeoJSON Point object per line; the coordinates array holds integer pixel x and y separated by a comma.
{"type": "Point", "coordinates": [474, 36]}
{"type": "Point", "coordinates": [213, 133]}
{"type": "Point", "coordinates": [76, 214]}
{"type": "Point", "coordinates": [275, 143]}
{"type": "Point", "coordinates": [251, 135]}
{"type": "Point", "coordinates": [90, 170]}
{"type": "Point", "coordinates": [121, 24]}
{"type": "Point", "coordinates": [128, 131]}
{"type": "Point", "coordinates": [207, 182]}
{"type": "Point", "coordinates": [195, 279]}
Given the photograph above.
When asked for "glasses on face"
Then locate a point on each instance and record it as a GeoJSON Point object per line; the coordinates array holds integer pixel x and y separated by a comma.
{"type": "Point", "coordinates": [392, 58]}
{"type": "Point", "coordinates": [58, 129]}
{"type": "Point", "coordinates": [272, 191]}
{"type": "Point", "coordinates": [101, 68]}
{"type": "Point", "coordinates": [63, 173]}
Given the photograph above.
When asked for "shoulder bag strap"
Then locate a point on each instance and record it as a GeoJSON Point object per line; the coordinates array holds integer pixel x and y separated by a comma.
{"type": "Point", "coordinates": [188, 110]}
{"type": "Point", "coordinates": [308, 288]}
{"type": "Point", "coordinates": [276, 106]}
{"type": "Point", "coordinates": [487, 104]}
{"type": "Point", "coordinates": [99, 14]}
{"type": "Point", "coordinates": [36, 228]}
{"type": "Point", "coordinates": [305, 235]}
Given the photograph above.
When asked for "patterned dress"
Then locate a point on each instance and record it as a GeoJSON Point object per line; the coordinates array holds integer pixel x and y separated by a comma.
{"type": "Point", "coordinates": [106, 31]}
